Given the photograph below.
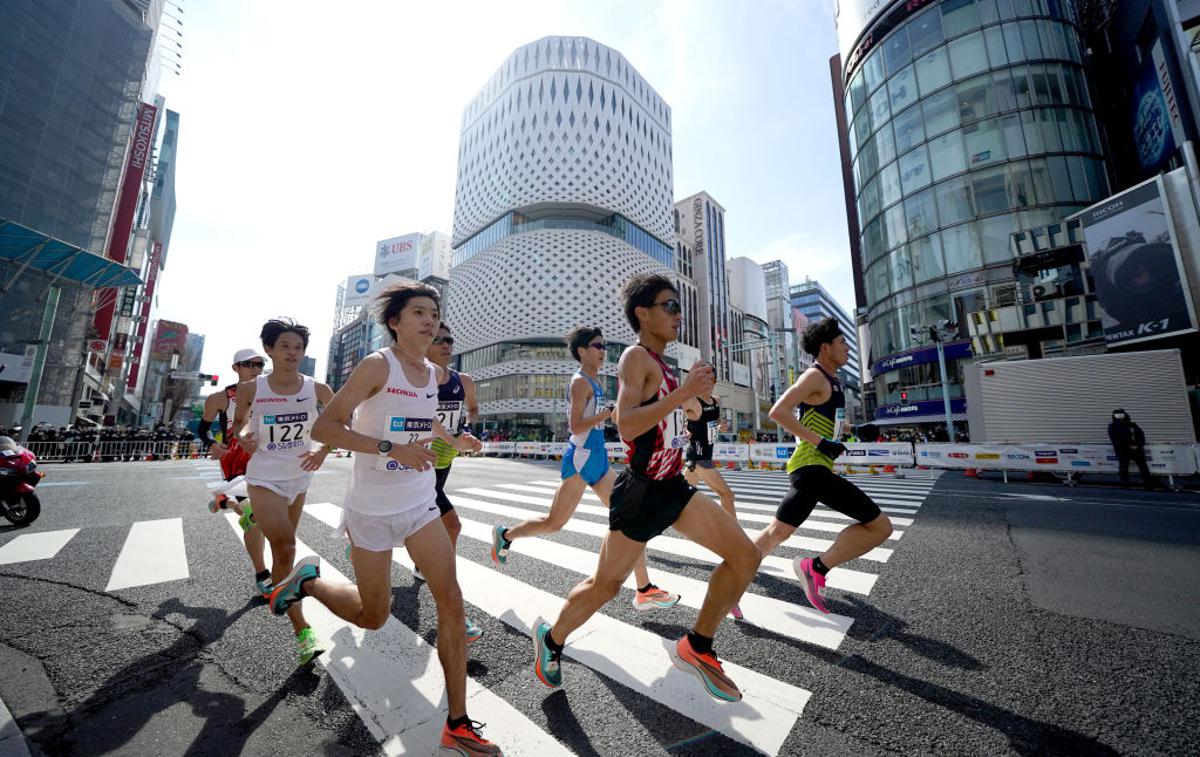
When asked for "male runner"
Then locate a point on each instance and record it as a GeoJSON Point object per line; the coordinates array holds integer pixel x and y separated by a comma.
{"type": "Point", "coordinates": [282, 459]}
{"type": "Point", "coordinates": [584, 464]}
{"type": "Point", "coordinates": [386, 413]}
{"type": "Point", "coordinates": [651, 495]}
{"type": "Point", "coordinates": [703, 419]}
{"type": "Point", "coordinates": [818, 396]}
{"type": "Point", "coordinates": [456, 394]}
{"type": "Point", "coordinates": [219, 406]}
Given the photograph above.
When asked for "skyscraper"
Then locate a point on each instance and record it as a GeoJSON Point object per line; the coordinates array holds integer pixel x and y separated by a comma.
{"type": "Point", "coordinates": [564, 191]}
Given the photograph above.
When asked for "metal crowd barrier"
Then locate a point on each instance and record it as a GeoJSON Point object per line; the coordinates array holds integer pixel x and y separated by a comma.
{"type": "Point", "coordinates": [108, 452]}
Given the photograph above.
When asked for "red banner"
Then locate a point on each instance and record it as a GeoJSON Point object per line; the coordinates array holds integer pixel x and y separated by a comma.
{"type": "Point", "coordinates": [142, 142]}
{"type": "Point", "coordinates": [139, 344]}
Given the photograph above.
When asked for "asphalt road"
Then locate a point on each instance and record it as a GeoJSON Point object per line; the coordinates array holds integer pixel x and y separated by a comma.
{"type": "Point", "coordinates": [1019, 618]}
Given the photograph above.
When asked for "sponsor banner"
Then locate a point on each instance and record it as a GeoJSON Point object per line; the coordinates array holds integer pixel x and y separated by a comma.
{"type": "Point", "coordinates": [921, 356]}
{"type": "Point", "coordinates": [139, 342]}
{"type": "Point", "coordinates": [529, 448]}
{"type": "Point", "coordinates": [616, 450]}
{"type": "Point", "coordinates": [169, 337]}
{"type": "Point", "coordinates": [1156, 121]}
{"type": "Point", "coordinates": [771, 453]}
{"type": "Point", "coordinates": [1135, 262]}
{"type": "Point", "coordinates": [499, 448]}
{"type": "Point", "coordinates": [731, 453]}
{"type": "Point", "coordinates": [1165, 459]}
{"type": "Point", "coordinates": [888, 453]}
{"type": "Point", "coordinates": [397, 254]}
{"type": "Point", "coordinates": [358, 290]}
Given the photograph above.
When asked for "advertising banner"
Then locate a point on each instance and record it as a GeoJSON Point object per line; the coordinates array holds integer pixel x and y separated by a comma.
{"type": "Point", "coordinates": [1135, 262]}
{"type": "Point", "coordinates": [397, 254]}
{"type": "Point", "coordinates": [1166, 459]}
{"type": "Point", "coordinates": [884, 453]}
{"type": "Point", "coordinates": [921, 356]}
{"type": "Point", "coordinates": [358, 289]}
{"type": "Point", "coordinates": [169, 337]}
{"type": "Point", "coordinates": [616, 450]}
{"type": "Point", "coordinates": [731, 453]}
{"type": "Point", "coordinates": [1157, 124]}
{"type": "Point", "coordinates": [139, 342]}
{"type": "Point", "coordinates": [433, 258]}
{"type": "Point", "coordinates": [921, 408]}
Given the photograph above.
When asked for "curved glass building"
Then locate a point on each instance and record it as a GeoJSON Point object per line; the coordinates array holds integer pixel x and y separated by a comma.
{"type": "Point", "coordinates": [564, 191]}
{"type": "Point", "coordinates": [966, 121]}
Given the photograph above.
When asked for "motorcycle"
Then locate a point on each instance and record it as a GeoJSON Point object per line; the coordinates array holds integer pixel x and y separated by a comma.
{"type": "Point", "coordinates": [18, 477]}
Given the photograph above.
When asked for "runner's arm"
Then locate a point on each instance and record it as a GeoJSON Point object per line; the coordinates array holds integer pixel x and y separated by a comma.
{"type": "Point", "coordinates": [333, 425]}
{"type": "Point", "coordinates": [245, 400]}
{"type": "Point", "coordinates": [782, 412]}
{"type": "Point", "coordinates": [692, 409]}
{"type": "Point", "coordinates": [470, 399]}
{"type": "Point", "coordinates": [212, 409]}
{"type": "Point", "coordinates": [578, 424]}
{"type": "Point", "coordinates": [635, 370]}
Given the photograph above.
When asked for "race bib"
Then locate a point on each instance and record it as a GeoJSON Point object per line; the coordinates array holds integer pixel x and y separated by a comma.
{"type": "Point", "coordinates": [450, 415]}
{"type": "Point", "coordinates": [839, 422]}
{"type": "Point", "coordinates": [400, 430]}
{"type": "Point", "coordinates": [284, 431]}
{"type": "Point", "coordinates": [673, 435]}
{"type": "Point", "coordinates": [712, 431]}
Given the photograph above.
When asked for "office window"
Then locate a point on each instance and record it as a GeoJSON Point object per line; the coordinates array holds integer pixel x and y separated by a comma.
{"type": "Point", "coordinates": [914, 170]}
{"type": "Point", "coordinates": [975, 98]}
{"type": "Point", "coordinates": [903, 89]}
{"type": "Point", "coordinates": [872, 69]}
{"type": "Point", "coordinates": [926, 256]}
{"type": "Point", "coordinates": [989, 190]}
{"type": "Point", "coordinates": [889, 185]}
{"type": "Point", "coordinates": [878, 104]}
{"type": "Point", "coordinates": [984, 142]}
{"type": "Point", "coordinates": [933, 70]}
{"type": "Point", "coordinates": [954, 200]}
{"type": "Point", "coordinates": [946, 156]}
{"type": "Point", "coordinates": [968, 55]}
{"type": "Point", "coordinates": [896, 51]}
{"type": "Point", "coordinates": [894, 225]}
{"type": "Point", "coordinates": [885, 146]}
{"type": "Point", "coordinates": [1020, 187]}
{"type": "Point", "coordinates": [900, 269]}
{"type": "Point", "coordinates": [909, 128]}
{"type": "Point", "coordinates": [960, 245]}
{"type": "Point", "coordinates": [941, 112]}
{"type": "Point", "coordinates": [959, 16]}
{"type": "Point", "coordinates": [925, 31]}
{"type": "Point", "coordinates": [994, 234]}
{"type": "Point", "coordinates": [920, 211]}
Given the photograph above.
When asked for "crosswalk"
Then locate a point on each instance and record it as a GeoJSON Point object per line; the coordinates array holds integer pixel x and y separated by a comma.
{"type": "Point", "coordinates": [392, 679]}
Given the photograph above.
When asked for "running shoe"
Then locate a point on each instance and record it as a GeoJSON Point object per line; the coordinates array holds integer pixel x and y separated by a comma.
{"type": "Point", "coordinates": [349, 549]}
{"type": "Point", "coordinates": [466, 740]}
{"type": "Point", "coordinates": [736, 612]}
{"type": "Point", "coordinates": [812, 581]}
{"type": "Point", "coordinates": [546, 664]}
{"type": "Point", "coordinates": [707, 668]}
{"type": "Point", "coordinates": [474, 631]}
{"type": "Point", "coordinates": [287, 593]}
{"type": "Point", "coordinates": [654, 598]}
{"type": "Point", "coordinates": [247, 519]}
{"type": "Point", "coordinates": [264, 587]}
{"type": "Point", "coordinates": [307, 646]}
{"type": "Point", "coordinates": [500, 545]}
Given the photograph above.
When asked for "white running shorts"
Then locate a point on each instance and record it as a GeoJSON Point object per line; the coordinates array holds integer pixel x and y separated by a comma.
{"type": "Point", "coordinates": [380, 533]}
{"type": "Point", "coordinates": [289, 489]}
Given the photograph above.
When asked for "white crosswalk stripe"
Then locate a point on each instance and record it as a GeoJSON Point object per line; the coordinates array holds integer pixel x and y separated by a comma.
{"type": "Point", "coordinates": [40, 546]}
{"type": "Point", "coordinates": [153, 553]}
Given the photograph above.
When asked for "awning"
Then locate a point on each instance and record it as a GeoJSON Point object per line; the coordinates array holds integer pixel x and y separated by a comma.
{"type": "Point", "coordinates": [28, 249]}
{"type": "Point", "coordinates": [909, 420]}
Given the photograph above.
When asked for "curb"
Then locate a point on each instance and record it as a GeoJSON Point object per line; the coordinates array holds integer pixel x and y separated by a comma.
{"type": "Point", "coordinates": [12, 741]}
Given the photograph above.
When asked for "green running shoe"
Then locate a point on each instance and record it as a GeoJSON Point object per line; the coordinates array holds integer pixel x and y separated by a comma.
{"type": "Point", "coordinates": [247, 519]}
{"type": "Point", "coordinates": [307, 645]}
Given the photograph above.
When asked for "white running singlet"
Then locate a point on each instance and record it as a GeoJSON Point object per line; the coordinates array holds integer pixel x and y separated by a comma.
{"type": "Point", "coordinates": [402, 414]}
{"type": "Point", "coordinates": [283, 423]}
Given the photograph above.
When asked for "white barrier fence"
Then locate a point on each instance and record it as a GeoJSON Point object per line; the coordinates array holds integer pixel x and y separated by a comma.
{"type": "Point", "coordinates": [749, 455]}
{"type": "Point", "coordinates": [86, 452]}
{"type": "Point", "coordinates": [1072, 459]}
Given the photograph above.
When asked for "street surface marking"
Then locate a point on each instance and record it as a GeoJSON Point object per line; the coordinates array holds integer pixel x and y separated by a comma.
{"type": "Point", "coordinates": [40, 546]}
{"type": "Point", "coordinates": [153, 553]}
{"type": "Point", "coordinates": [393, 680]}
{"type": "Point", "coordinates": [44, 484]}
{"type": "Point", "coordinates": [634, 658]}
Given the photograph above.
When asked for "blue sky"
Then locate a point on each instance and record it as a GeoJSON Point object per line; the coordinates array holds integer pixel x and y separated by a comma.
{"type": "Point", "coordinates": [308, 131]}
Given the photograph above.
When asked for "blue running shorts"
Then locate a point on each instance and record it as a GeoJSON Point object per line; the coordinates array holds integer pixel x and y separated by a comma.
{"type": "Point", "coordinates": [589, 462]}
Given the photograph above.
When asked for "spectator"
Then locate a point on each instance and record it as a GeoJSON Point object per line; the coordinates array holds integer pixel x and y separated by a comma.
{"type": "Point", "coordinates": [1129, 442]}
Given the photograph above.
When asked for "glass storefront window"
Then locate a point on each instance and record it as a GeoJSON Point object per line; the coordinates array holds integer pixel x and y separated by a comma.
{"type": "Point", "coordinates": [868, 201]}
{"type": "Point", "coordinates": [920, 210]}
{"type": "Point", "coordinates": [968, 55]}
{"type": "Point", "coordinates": [903, 89]}
{"type": "Point", "coordinates": [1079, 181]}
{"type": "Point", "coordinates": [896, 51]}
{"type": "Point", "coordinates": [1060, 178]}
{"type": "Point", "coordinates": [879, 106]}
{"type": "Point", "coordinates": [863, 127]}
{"type": "Point", "coordinates": [884, 144]}
{"type": "Point", "coordinates": [960, 244]}
{"type": "Point", "coordinates": [900, 269]}
{"type": "Point", "coordinates": [1039, 176]}
{"type": "Point", "coordinates": [1070, 129]}
{"type": "Point", "coordinates": [909, 128]}
{"type": "Point", "coordinates": [989, 190]}
{"type": "Point", "coordinates": [1004, 88]}
{"type": "Point", "coordinates": [926, 255]}
{"type": "Point", "coordinates": [889, 185]}
{"type": "Point", "coordinates": [984, 143]}
{"type": "Point", "coordinates": [941, 112]}
{"type": "Point", "coordinates": [1096, 178]}
{"type": "Point", "coordinates": [987, 11]}
{"type": "Point", "coordinates": [959, 16]}
{"type": "Point", "coordinates": [868, 159]}
{"type": "Point", "coordinates": [914, 170]}
{"type": "Point", "coordinates": [1032, 132]}
{"type": "Point", "coordinates": [925, 31]}
{"type": "Point", "coordinates": [946, 156]}
{"type": "Point", "coordinates": [858, 91]}
{"type": "Point", "coordinates": [894, 225]}
{"type": "Point", "coordinates": [954, 201]}
{"type": "Point", "coordinates": [994, 234]}
{"type": "Point", "coordinates": [1049, 128]}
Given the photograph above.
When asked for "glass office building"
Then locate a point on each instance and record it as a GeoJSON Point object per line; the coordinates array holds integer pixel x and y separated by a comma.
{"type": "Point", "coordinates": [968, 121]}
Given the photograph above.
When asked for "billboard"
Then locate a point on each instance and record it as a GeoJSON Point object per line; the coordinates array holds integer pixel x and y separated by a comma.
{"type": "Point", "coordinates": [433, 258]}
{"type": "Point", "coordinates": [1157, 125]}
{"type": "Point", "coordinates": [1140, 281]}
{"type": "Point", "coordinates": [358, 290]}
{"type": "Point", "coordinates": [169, 337]}
{"type": "Point", "coordinates": [396, 254]}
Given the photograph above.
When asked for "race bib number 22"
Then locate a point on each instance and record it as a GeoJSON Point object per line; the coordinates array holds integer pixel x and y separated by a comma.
{"type": "Point", "coordinates": [400, 430]}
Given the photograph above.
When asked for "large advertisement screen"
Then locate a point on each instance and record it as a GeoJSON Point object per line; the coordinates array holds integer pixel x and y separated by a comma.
{"type": "Point", "coordinates": [1136, 266]}
{"type": "Point", "coordinates": [396, 254]}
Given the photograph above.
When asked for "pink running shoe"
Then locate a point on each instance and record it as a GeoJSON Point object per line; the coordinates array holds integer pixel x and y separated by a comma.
{"type": "Point", "coordinates": [812, 581]}
{"type": "Point", "coordinates": [736, 612]}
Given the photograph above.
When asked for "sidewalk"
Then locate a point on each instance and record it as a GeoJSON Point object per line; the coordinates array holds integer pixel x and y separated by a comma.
{"type": "Point", "coordinates": [12, 741]}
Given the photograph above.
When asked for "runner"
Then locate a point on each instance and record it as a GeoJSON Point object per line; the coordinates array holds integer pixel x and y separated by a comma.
{"type": "Point", "coordinates": [584, 464]}
{"type": "Point", "coordinates": [392, 500]}
{"type": "Point", "coordinates": [651, 495]}
{"type": "Point", "coordinates": [818, 396]}
{"type": "Point", "coordinates": [703, 419]}
{"type": "Point", "coordinates": [219, 406]}
{"type": "Point", "coordinates": [456, 393]}
{"type": "Point", "coordinates": [274, 420]}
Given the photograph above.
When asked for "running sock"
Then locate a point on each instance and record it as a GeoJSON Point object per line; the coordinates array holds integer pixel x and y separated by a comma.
{"type": "Point", "coordinates": [552, 645]}
{"type": "Point", "coordinates": [819, 566]}
{"type": "Point", "coordinates": [702, 644]}
{"type": "Point", "coordinates": [504, 534]}
{"type": "Point", "coordinates": [646, 588]}
{"type": "Point", "coordinates": [262, 575]}
{"type": "Point", "coordinates": [453, 723]}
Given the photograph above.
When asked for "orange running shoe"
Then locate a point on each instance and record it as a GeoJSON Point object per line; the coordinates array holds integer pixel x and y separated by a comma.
{"type": "Point", "coordinates": [707, 668]}
{"type": "Point", "coordinates": [653, 598]}
{"type": "Point", "coordinates": [466, 740]}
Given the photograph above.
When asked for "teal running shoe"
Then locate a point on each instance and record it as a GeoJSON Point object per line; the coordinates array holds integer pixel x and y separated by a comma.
{"type": "Point", "coordinates": [500, 545]}
{"type": "Point", "coordinates": [546, 663]}
{"type": "Point", "coordinates": [474, 631]}
{"type": "Point", "coordinates": [307, 646]}
{"type": "Point", "coordinates": [288, 592]}
{"type": "Point", "coordinates": [264, 586]}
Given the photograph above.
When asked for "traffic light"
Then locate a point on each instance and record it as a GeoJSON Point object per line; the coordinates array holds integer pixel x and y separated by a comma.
{"type": "Point", "coordinates": [903, 398]}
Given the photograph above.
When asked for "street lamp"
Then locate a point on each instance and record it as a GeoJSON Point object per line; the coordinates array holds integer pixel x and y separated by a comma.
{"type": "Point", "coordinates": [939, 333]}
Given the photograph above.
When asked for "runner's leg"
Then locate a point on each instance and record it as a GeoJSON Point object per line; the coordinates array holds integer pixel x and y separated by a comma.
{"type": "Point", "coordinates": [566, 499]}
{"type": "Point", "coordinates": [618, 553]}
{"type": "Point", "coordinates": [716, 482]}
{"type": "Point", "coordinates": [367, 604]}
{"type": "Point", "coordinates": [705, 523]}
{"type": "Point", "coordinates": [603, 489]}
{"type": "Point", "coordinates": [858, 539]}
{"type": "Point", "coordinates": [272, 515]}
{"type": "Point", "coordinates": [431, 546]}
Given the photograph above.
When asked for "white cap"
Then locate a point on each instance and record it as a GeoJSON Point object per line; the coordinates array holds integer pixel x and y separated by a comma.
{"type": "Point", "coordinates": [246, 354]}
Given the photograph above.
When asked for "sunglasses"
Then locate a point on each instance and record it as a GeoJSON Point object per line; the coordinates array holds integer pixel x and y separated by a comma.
{"type": "Point", "coordinates": [252, 364]}
{"type": "Point", "coordinates": [672, 306]}
{"type": "Point", "coordinates": [449, 340]}
{"type": "Point", "coordinates": [599, 346]}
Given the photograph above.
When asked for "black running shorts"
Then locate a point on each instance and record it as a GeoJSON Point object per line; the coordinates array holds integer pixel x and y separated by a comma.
{"type": "Point", "coordinates": [816, 483]}
{"type": "Point", "coordinates": [643, 508]}
{"type": "Point", "coordinates": [443, 502]}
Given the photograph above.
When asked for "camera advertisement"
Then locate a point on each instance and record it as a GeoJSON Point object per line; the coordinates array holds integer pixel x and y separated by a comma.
{"type": "Point", "coordinates": [1138, 274]}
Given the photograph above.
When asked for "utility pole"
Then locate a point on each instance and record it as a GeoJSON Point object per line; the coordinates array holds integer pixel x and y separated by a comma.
{"type": "Point", "coordinates": [939, 333]}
